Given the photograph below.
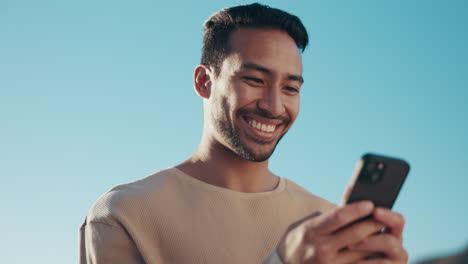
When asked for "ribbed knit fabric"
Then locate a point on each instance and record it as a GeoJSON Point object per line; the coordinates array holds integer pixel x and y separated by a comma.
{"type": "Point", "coordinates": [171, 217]}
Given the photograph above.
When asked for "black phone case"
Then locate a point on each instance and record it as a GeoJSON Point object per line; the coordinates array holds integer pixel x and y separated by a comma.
{"type": "Point", "coordinates": [384, 191]}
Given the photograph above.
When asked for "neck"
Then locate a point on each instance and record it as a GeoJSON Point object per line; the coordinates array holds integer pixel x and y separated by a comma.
{"type": "Point", "coordinates": [217, 165]}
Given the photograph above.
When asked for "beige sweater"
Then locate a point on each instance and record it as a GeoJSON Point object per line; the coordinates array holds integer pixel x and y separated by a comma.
{"type": "Point", "coordinates": [170, 217]}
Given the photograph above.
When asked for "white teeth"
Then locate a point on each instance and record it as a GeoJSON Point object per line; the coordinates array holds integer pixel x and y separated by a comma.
{"type": "Point", "coordinates": [261, 127]}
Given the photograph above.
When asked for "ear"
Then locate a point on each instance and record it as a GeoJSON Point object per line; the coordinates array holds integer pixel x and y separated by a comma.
{"type": "Point", "coordinates": [202, 81]}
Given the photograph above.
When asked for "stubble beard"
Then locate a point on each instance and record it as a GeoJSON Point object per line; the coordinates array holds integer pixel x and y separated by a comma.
{"type": "Point", "coordinates": [233, 141]}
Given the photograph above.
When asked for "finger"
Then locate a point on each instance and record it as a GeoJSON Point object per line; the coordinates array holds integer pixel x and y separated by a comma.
{"type": "Point", "coordinates": [393, 220]}
{"type": "Point", "coordinates": [342, 216]}
{"type": "Point", "coordinates": [355, 233]}
{"type": "Point", "coordinates": [349, 256]}
{"type": "Point", "coordinates": [374, 261]}
{"type": "Point", "coordinates": [387, 244]}
{"type": "Point", "coordinates": [314, 254]}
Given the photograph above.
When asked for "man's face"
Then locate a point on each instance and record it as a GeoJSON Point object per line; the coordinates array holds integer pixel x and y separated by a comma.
{"type": "Point", "coordinates": [255, 98]}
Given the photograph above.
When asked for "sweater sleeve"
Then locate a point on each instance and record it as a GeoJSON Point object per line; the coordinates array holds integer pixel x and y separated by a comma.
{"type": "Point", "coordinates": [102, 243]}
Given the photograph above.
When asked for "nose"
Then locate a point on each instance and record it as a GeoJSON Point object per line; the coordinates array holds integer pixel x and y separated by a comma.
{"type": "Point", "coordinates": [272, 103]}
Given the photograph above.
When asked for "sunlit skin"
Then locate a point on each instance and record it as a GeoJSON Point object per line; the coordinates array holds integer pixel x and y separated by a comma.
{"type": "Point", "coordinates": [255, 86]}
{"type": "Point", "coordinates": [261, 81]}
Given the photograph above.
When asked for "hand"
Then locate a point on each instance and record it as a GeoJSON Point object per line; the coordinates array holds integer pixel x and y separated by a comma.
{"type": "Point", "coordinates": [388, 244]}
{"type": "Point", "coordinates": [326, 238]}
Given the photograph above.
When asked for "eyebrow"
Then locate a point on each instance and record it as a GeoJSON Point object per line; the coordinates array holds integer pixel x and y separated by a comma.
{"type": "Point", "coordinates": [256, 67]}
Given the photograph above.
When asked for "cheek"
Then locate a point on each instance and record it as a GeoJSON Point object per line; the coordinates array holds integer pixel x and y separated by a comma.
{"type": "Point", "coordinates": [223, 96]}
{"type": "Point", "coordinates": [292, 107]}
{"type": "Point", "coordinates": [240, 96]}
{"type": "Point", "coordinates": [228, 105]}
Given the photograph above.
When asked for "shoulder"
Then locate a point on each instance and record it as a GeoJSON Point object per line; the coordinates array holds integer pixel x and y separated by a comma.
{"type": "Point", "coordinates": [299, 193]}
{"type": "Point", "coordinates": [130, 199]}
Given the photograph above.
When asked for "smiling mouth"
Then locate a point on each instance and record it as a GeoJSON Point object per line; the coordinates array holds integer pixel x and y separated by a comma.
{"type": "Point", "coordinates": [261, 126]}
{"type": "Point", "coordinates": [262, 129]}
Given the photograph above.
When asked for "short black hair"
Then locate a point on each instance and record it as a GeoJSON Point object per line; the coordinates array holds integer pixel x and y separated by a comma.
{"type": "Point", "coordinates": [219, 26]}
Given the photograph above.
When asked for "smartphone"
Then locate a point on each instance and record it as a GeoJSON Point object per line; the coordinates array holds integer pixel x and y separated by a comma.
{"type": "Point", "coordinates": [376, 178]}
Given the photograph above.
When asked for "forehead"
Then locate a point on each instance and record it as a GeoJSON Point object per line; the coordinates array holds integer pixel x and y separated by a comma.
{"type": "Point", "coordinates": [271, 48]}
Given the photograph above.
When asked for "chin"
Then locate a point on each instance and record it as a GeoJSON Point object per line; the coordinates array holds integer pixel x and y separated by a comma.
{"type": "Point", "coordinates": [255, 156]}
{"type": "Point", "coordinates": [261, 158]}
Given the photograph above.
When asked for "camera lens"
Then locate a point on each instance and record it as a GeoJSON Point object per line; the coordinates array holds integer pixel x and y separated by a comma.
{"type": "Point", "coordinates": [374, 177]}
{"type": "Point", "coordinates": [370, 166]}
{"type": "Point", "coordinates": [380, 166]}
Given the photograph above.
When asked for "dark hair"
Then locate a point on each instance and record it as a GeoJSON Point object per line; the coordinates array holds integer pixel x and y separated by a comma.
{"type": "Point", "coordinates": [219, 26]}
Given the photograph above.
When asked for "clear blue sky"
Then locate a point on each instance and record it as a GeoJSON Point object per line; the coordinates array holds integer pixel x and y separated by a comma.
{"type": "Point", "coordinates": [98, 93]}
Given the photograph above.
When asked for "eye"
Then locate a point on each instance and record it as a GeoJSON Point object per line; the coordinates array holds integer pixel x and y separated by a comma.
{"type": "Point", "coordinates": [253, 79]}
{"type": "Point", "coordinates": [291, 89]}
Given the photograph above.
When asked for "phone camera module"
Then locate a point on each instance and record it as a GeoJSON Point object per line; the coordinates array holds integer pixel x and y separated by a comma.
{"type": "Point", "coordinates": [372, 173]}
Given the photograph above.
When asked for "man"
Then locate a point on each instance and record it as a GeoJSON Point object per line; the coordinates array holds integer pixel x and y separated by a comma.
{"type": "Point", "coordinates": [223, 204]}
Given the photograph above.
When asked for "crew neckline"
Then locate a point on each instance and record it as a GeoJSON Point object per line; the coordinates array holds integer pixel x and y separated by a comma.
{"type": "Point", "coordinates": [201, 184]}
